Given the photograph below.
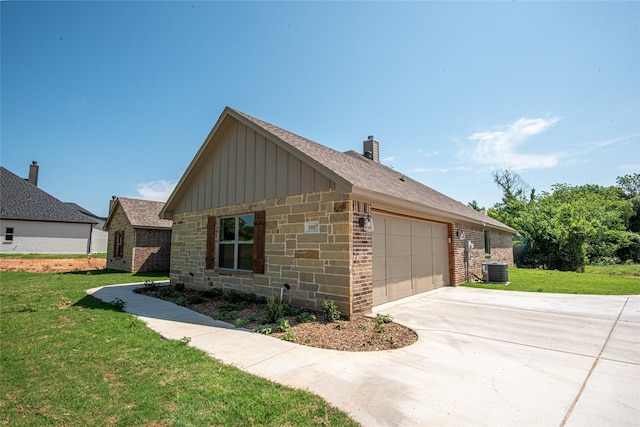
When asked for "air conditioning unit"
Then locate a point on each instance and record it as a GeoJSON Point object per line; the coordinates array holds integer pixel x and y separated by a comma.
{"type": "Point", "coordinates": [495, 272]}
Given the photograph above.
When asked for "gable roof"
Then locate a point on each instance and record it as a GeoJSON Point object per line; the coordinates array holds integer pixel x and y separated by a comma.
{"type": "Point", "coordinates": [140, 213]}
{"type": "Point", "coordinates": [352, 173]}
{"type": "Point", "coordinates": [21, 200]}
{"type": "Point", "coordinates": [84, 211]}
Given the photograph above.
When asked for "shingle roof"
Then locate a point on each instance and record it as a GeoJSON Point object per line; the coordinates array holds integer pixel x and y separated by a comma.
{"type": "Point", "coordinates": [84, 211]}
{"type": "Point", "coordinates": [361, 172]}
{"type": "Point", "coordinates": [143, 213]}
{"type": "Point", "coordinates": [21, 200]}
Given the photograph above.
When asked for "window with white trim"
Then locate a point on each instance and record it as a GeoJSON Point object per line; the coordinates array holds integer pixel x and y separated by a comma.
{"type": "Point", "coordinates": [235, 244]}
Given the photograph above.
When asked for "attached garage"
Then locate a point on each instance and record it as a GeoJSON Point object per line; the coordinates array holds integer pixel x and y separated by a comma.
{"type": "Point", "coordinates": [410, 256]}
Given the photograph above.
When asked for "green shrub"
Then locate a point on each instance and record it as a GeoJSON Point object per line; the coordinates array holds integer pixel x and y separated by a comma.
{"type": "Point", "coordinates": [179, 286]}
{"type": "Point", "coordinates": [283, 325]}
{"type": "Point", "coordinates": [289, 336]}
{"type": "Point", "coordinates": [331, 312]}
{"type": "Point", "coordinates": [305, 317]}
{"type": "Point", "coordinates": [265, 330]}
{"type": "Point", "coordinates": [273, 310]}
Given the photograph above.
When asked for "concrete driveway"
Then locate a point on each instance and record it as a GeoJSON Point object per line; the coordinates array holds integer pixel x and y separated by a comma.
{"type": "Point", "coordinates": [483, 358]}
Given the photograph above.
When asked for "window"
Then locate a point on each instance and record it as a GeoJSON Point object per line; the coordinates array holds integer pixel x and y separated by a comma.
{"type": "Point", "coordinates": [487, 242]}
{"type": "Point", "coordinates": [118, 244]}
{"type": "Point", "coordinates": [236, 243]}
{"type": "Point", "coordinates": [8, 235]}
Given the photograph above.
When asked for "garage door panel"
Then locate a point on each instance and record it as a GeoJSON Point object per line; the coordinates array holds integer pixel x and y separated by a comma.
{"type": "Point", "coordinates": [398, 245]}
{"type": "Point", "coordinates": [410, 256]}
{"type": "Point", "coordinates": [400, 288]}
{"type": "Point", "coordinates": [398, 267]}
{"type": "Point", "coordinates": [380, 291]}
{"type": "Point", "coordinates": [397, 227]}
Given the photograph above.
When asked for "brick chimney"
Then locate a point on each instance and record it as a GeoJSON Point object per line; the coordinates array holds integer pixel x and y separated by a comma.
{"type": "Point", "coordinates": [372, 149]}
{"type": "Point", "coordinates": [33, 173]}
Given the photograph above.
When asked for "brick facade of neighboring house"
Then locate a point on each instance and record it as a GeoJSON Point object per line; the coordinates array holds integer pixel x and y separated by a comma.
{"type": "Point", "coordinates": [138, 239]}
{"type": "Point", "coordinates": [314, 202]}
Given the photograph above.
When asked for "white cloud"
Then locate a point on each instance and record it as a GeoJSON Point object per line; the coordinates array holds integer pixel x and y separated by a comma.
{"type": "Point", "coordinates": [155, 190]}
{"type": "Point", "coordinates": [500, 148]}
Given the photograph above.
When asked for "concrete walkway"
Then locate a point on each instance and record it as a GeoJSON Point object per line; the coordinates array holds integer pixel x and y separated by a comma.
{"type": "Point", "coordinates": [483, 358]}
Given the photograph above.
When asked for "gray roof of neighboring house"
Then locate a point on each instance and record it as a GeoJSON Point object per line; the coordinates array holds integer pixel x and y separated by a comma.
{"type": "Point", "coordinates": [141, 213]}
{"type": "Point", "coordinates": [84, 211]}
{"type": "Point", "coordinates": [21, 200]}
{"type": "Point", "coordinates": [359, 171]}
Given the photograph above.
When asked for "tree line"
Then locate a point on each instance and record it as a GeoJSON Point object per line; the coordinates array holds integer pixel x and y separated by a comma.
{"type": "Point", "coordinates": [570, 226]}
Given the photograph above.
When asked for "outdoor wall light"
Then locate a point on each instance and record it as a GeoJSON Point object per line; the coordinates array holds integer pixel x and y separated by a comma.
{"type": "Point", "coordinates": [366, 224]}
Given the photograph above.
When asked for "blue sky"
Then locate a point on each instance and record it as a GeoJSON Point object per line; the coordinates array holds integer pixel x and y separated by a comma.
{"type": "Point", "coordinates": [116, 98]}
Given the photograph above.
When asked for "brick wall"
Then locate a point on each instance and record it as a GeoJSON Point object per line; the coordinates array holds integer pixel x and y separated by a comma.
{"type": "Point", "coordinates": [501, 250]}
{"type": "Point", "coordinates": [152, 250]}
{"type": "Point", "coordinates": [362, 258]}
{"type": "Point", "coordinates": [317, 266]}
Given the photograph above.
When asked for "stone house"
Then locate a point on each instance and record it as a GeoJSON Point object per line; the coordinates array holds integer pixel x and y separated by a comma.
{"type": "Point", "coordinates": [260, 208]}
{"type": "Point", "coordinates": [138, 239]}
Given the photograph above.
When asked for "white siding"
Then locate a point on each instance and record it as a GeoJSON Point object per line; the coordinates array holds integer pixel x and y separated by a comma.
{"type": "Point", "coordinates": [33, 237]}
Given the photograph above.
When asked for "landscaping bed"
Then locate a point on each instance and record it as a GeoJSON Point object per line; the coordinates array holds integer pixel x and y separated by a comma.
{"type": "Point", "coordinates": [322, 329]}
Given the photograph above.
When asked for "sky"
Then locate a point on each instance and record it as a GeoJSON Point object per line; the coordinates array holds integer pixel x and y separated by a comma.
{"type": "Point", "coordinates": [115, 98]}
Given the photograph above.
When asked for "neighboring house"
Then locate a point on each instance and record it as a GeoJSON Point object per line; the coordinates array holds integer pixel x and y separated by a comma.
{"type": "Point", "coordinates": [33, 221]}
{"type": "Point", "coordinates": [260, 207]}
{"type": "Point", "coordinates": [98, 235]}
{"type": "Point", "coordinates": [138, 239]}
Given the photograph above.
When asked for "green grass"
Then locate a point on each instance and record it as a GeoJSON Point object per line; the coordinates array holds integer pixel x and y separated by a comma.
{"type": "Point", "coordinates": [623, 270]}
{"type": "Point", "coordinates": [551, 281]}
{"type": "Point", "coordinates": [50, 256]}
{"type": "Point", "coordinates": [70, 359]}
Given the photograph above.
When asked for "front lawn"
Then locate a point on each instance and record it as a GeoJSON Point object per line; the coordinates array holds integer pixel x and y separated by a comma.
{"type": "Point", "coordinates": [562, 282]}
{"type": "Point", "coordinates": [70, 359]}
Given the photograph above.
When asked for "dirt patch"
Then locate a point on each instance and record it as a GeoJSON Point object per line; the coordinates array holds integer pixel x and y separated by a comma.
{"type": "Point", "coordinates": [357, 334]}
{"type": "Point", "coordinates": [52, 265]}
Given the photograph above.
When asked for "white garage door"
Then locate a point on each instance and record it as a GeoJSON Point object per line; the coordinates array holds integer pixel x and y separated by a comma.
{"type": "Point", "coordinates": [409, 257]}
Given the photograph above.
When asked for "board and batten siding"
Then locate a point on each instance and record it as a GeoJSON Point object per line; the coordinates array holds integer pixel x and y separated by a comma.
{"type": "Point", "coordinates": [243, 166]}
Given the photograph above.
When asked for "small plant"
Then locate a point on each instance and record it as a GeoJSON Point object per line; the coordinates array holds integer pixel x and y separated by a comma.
{"type": "Point", "coordinates": [305, 317]}
{"type": "Point", "coordinates": [212, 293]}
{"type": "Point", "coordinates": [379, 326]}
{"type": "Point", "coordinates": [196, 298]}
{"type": "Point", "coordinates": [150, 285]}
{"type": "Point", "coordinates": [118, 304]}
{"type": "Point", "coordinates": [362, 326]}
{"type": "Point", "coordinates": [341, 325]}
{"type": "Point", "coordinates": [539, 290]}
{"type": "Point", "coordinates": [289, 336]}
{"type": "Point", "coordinates": [331, 312]}
{"type": "Point", "coordinates": [241, 323]}
{"type": "Point", "coordinates": [273, 310]}
{"type": "Point", "coordinates": [389, 340]}
{"type": "Point", "coordinates": [283, 325]}
{"type": "Point", "coordinates": [265, 330]}
{"type": "Point", "coordinates": [185, 340]}
{"type": "Point", "coordinates": [384, 318]}
{"type": "Point", "coordinates": [13, 297]}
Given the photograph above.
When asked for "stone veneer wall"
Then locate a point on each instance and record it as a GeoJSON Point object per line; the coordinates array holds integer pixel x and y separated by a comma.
{"type": "Point", "coordinates": [500, 244]}
{"type": "Point", "coordinates": [317, 266]}
{"type": "Point", "coordinates": [120, 223]}
{"type": "Point", "coordinates": [152, 250]}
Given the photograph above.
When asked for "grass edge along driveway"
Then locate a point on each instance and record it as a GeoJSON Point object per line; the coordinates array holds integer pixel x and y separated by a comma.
{"type": "Point", "coordinates": [610, 280]}
{"type": "Point", "coordinates": [70, 359]}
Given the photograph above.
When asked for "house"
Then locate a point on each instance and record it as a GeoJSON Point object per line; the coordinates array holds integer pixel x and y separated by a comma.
{"type": "Point", "coordinates": [98, 235]}
{"type": "Point", "coordinates": [33, 221]}
{"type": "Point", "coordinates": [260, 209]}
{"type": "Point", "coordinates": [138, 239]}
